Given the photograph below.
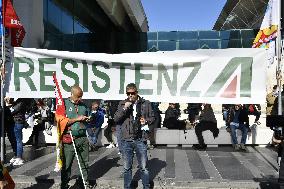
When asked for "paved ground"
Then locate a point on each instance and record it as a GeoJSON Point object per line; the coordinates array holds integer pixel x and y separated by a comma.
{"type": "Point", "coordinates": [170, 168]}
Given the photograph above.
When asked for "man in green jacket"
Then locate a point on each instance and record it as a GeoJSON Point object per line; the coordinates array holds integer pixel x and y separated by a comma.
{"type": "Point", "coordinates": [77, 114]}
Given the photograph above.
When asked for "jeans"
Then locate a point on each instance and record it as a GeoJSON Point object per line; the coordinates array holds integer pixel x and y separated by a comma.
{"type": "Point", "coordinates": [225, 115]}
{"type": "Point", "coordinates": [18, 133]}
{"type": "Point", "coordinates": [244, 130]}
{"type": "Point", "coordinates": [108, 130]}
{"type": "Point", "coordinates": [93, 135]}
{"type": "Point", "coordinates": [119, 137]}
{"type": "Point", "coordinates": [140, 148]}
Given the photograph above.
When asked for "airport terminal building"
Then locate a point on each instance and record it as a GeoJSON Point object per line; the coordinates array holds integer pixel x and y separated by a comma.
{"type": "Point", "coordinates": [121, 26]}
{"type": "Point", "coordinates": [84, 25]}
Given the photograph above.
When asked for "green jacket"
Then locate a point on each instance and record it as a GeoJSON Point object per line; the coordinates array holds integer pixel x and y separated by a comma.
{"type": "Point", "coordinates": [73, 111]}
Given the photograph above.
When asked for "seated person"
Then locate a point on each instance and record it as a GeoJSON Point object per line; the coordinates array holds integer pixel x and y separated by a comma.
{"type": "Point", "coordinates": [193, 110]}
{"type": "Point", "coordinates": [207, 121]}
{"type": "Point", "coordinates": [238, 119]}
{"type": "Point", "coordinates": [171, 117]}
{"type": "Point", "coordinates": [225, 111]}
{"type": "Point", "coordinates": [254, 109]}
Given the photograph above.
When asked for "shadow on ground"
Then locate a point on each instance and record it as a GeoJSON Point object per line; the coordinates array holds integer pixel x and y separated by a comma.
{"type": "Point", "coordinates": [154, 166]}
{"type": "Point", "coordinates": [269, 182]}
{"type": "Point", "coordinates": [42, 182]}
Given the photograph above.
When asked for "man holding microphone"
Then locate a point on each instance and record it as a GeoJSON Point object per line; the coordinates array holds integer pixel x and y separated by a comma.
{"type": "Point", "coordinates": [134, 114]}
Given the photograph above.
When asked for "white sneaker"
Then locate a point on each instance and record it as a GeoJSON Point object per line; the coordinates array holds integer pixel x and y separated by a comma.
{"type": "Point", "coordinates": [236, 147]}
{"type": "Point", "coordinates": [13, 160]}
{"type": "Point", "coordinates": [18, 161]}
{"type": "Point", "coordinates": [243, 147]}
{"type": "Point", "coordinates": [111, 145]}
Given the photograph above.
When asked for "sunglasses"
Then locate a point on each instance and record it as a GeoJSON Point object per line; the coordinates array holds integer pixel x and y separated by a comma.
{"type": "Point", "coordinates": [131, 93]}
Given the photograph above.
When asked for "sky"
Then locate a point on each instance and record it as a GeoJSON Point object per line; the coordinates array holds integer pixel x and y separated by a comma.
{"type": "Point", "coordinates": [182, 15]}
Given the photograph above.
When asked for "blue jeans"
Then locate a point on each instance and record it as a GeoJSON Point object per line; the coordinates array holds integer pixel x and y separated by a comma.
{"type": "Point", "coordinates": [18, 133]}
{"type": "Point", "coordinates": [119, 137]}
{"type": "Point", "coordinates": [93, 135]}
{"type": "Point", "coordinates": [244, 130]}
{"type": "Point", "coordinates": [225, 115]}
{"type": "Point", "coordinates": [140, 148]}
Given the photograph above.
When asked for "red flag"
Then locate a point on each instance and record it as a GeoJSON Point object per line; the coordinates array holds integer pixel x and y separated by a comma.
{"type": "Point", "coordinates": [62, 121]}
{"type": "Point", "coordinates": [60, 106]}
{"type": "Point", "coordinates": [12, 21]}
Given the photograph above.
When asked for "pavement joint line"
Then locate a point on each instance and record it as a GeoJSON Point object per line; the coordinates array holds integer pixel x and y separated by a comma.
{"type": "Point", "coordinates": [263, 158]}
{"type": "Point", "coordinates": [160, 180]}
{"type": "Point", "coordinates": [209, 165]}
{"type": "Point", "coordinates": [267, 156]}
{"type": "Point", "coordinates": [252, 168]}
{"type": "Point", "coordinates": [186, 168]}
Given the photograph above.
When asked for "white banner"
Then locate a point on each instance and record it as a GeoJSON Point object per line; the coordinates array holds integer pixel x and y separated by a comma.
{"type": "Point", "coordinates": [219, 76]}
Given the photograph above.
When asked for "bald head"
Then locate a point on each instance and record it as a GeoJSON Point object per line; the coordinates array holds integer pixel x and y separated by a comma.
{"type": "Point", "coordinates": [76, 94]}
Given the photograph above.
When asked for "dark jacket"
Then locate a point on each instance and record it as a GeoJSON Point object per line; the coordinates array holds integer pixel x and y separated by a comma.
{"type": "Point", "coordinates": [111, 108]}
{"type": "Point", "coordinates": [171, 118]}
{"type": "Point", "coordinates": [97, 119]}
{"type": "Point", "coordinates": [129, 127]}
{"type": "Point", "coordinates": [208, 116]}
{"type": "Point", "coordinates": [243, 116]}
{"type": "Point", "coordinates": [18, 110]}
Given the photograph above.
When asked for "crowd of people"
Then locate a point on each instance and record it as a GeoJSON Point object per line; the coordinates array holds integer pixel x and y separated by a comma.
{"type": "Point", "coordinates": [133, 120]}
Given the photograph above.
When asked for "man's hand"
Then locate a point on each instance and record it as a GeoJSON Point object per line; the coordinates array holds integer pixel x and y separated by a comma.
{"type": "Point", "coordinates": [127, 105]}
{"type": "Point", "coordinates": [3, 183]}
{"type": "Point", "coordinates": [82, 118]}
{"type": "Point", "coordinates": [276, 140]}
{"type": "Point", "coordinates": [142, 121]}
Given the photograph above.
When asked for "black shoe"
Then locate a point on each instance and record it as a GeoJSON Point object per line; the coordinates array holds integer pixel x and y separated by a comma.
{"type": "Point", "coordinates": [29, 143]}
{"type": "Point", "coordinates": [216, 133]}
{"type": "Point", "coordinates": [228, 129]}
{"type": "Point", "coordinates": [199, 146]}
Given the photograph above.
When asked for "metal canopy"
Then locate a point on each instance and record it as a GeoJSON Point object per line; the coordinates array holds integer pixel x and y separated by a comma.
{"type": "Point", "coordinates": [241, 14]}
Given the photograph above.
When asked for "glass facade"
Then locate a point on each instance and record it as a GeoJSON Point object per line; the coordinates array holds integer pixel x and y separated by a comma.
{"type": "Point", "coordinates": [68, 27]}
{"type": "Point", "coordinates": [190, 40]}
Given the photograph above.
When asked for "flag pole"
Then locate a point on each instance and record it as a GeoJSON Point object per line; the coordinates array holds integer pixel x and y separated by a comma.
{"type": "Point", "coordinates": [278, 51]}
{"type": "Point", "coordinates": [2, 87]}
{"type": "Point", "coordinates": [80, 168]}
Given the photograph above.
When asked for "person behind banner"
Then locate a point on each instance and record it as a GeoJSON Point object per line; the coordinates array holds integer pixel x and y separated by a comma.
{"type": "Point", "coordinates": [270, 100]}
{"type": "Point", "coordinates": [238, 119]}
{"type": "Point", "coordinates": [171, 120]}
{"type": "Point", "coordinates": [77, 113]}
{"type": "Point", "coordinates": [275, 107]}
{"type": "Point", "coordinates": [40, 120]}
{"type": "Point", "coordinates": [111, 126]}
{"type": "Point", "coordinates": [206, 121]}
{"type": "Point", "coordinates": [254, 109]}
{"type": "Point", "coordinates": [134, 115]}
{"type": "Point", "coordinates": [95, 122]}
{"type": "Point", "coordinates": [18, 110]}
